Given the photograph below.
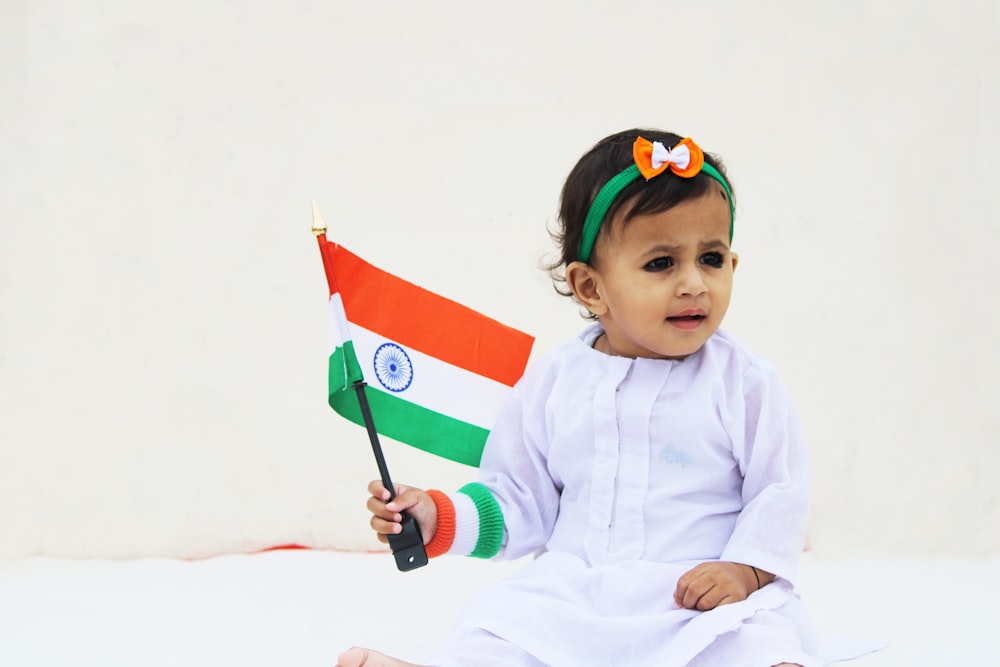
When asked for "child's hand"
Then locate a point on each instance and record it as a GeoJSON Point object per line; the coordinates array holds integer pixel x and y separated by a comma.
{"type": "Point", "coordinates": [386, 516]}
{"type": "Point", "coordinates": [712, 584]}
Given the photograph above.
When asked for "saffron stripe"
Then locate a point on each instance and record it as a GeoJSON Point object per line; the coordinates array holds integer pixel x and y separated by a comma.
{"type": "Point", "coordinates": [413, 424]}
{"type": "Point", "coordinates": [425, 321]}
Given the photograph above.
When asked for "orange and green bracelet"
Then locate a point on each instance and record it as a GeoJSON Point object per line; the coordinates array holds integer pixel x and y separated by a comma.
{"type": "Point", "coordinates": [470, 523]}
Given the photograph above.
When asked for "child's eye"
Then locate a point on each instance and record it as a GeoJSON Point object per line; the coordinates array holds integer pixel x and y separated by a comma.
{"type": "Point", "coordinates": [659, 264]}
{"type": "Point", "coordinates": [713, 259]}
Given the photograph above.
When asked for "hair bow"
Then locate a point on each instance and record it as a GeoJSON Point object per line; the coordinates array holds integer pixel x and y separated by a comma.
{"type": "Point", "coordinates": [653, 158]}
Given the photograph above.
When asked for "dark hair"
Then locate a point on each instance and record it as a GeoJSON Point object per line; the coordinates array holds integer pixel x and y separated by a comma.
{"type": "Point", "coordinates": [600, 164]}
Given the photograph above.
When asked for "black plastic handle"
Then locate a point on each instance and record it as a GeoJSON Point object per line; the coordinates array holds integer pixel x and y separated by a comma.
{"type": "Point", "coordinates": [408, 546]}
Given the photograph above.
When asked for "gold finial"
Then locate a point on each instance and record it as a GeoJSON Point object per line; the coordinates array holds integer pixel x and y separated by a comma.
{"type": "Point", "coordinates": [319, 227]}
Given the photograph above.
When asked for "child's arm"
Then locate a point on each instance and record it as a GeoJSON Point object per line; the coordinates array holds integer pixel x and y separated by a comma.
{"type": "Point", "coordinates": [515, 498]}
{"type": "Point", "coordinates": [712, 584]}
{"type": "Point", "coordinates": [386, 515]}
{"type": "Point", "coordinates": [770, 448]}
{"type": "Point", "coordinates": [769, 533]}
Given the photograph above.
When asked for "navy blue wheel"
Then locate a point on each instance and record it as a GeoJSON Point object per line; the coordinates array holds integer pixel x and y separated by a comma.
{"type": "Point", "coordinates": [392, 367]}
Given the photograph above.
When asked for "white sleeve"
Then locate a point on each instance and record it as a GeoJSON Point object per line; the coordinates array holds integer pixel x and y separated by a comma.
{"type": "Point", "coordinates": [514, 468]}
{"type": "Point", "coordinates": [770, 530]}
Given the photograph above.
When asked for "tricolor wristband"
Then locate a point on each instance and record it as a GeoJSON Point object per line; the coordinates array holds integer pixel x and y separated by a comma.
{"type": "Point", "coordinates": [470, 523]}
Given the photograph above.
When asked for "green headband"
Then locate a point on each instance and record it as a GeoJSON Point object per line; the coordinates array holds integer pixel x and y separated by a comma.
{"type": "Point", "coordinates": [651, 159]}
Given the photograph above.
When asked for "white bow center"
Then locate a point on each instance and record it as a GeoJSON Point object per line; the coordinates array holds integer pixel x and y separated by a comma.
{"type": "Point", "coordinates": [680, 155]}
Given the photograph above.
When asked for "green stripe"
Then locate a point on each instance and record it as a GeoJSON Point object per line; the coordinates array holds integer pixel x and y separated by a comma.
{"type": "Point", "coordinates": [344, 367]}
{"type": "Point", "coordinates": [490, 520]}
{"type": "Point", "coordinates": [414, 424]}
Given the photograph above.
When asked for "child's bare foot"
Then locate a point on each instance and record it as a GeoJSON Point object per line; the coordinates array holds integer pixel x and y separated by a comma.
{"type": "Point", "coordinates": [362, 657]}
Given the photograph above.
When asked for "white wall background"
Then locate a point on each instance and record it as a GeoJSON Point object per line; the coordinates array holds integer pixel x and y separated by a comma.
{"type": "Point", "coordinates": [163, 331]}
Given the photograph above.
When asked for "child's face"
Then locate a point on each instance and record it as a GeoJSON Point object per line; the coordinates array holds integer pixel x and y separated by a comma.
{"type": "Point", "coordinates": [661, 284]}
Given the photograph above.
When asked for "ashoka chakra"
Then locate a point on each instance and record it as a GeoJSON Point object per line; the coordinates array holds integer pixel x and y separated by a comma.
{"type": "Point", "coordinates": [392, 367]}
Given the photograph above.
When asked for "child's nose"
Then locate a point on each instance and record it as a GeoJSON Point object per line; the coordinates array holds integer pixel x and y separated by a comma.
{"type": "Point", "coordinates": [691, 281]}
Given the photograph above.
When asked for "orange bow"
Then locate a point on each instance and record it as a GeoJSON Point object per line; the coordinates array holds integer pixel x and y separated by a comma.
{"type": "Point", "coordinates": [652, 157]}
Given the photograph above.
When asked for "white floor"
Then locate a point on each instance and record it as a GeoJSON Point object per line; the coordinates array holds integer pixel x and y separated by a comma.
{"type": "Point", "coordinates": [302, 608]}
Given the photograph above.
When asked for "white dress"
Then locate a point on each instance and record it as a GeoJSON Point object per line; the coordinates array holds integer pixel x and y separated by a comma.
{"type": "Point", "coordinates": [620, 475]}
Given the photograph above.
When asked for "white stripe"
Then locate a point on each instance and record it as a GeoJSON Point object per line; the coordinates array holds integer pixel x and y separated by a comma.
{"type": "Point", "coordinates": [437, 385]}
{"type": "Point", "coordinates": [466, 525]}
{"type": "Point", "coordinates": [339, 332]}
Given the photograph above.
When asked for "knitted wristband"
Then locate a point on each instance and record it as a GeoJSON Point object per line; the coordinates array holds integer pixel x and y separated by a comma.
{"type": "Point", "coordinates": [490, 520]}
{"type": "Point", "coordinates": [444, 537]}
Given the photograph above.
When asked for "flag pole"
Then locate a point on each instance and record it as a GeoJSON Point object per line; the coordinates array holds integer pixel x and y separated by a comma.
{"type": "Point", "coordinates": [407, 545]}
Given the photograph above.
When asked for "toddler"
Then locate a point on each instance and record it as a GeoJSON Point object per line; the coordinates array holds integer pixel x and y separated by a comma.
{"type": "Point", "coordinates": [653, 465]}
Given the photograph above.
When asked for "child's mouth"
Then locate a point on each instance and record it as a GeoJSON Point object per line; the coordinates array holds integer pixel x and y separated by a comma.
{"type": "Point", "coordinates": [687, 320]}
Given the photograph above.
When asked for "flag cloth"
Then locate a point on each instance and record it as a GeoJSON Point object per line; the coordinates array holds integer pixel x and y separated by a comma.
{"type": "Point", "coordinates": [437, 371]}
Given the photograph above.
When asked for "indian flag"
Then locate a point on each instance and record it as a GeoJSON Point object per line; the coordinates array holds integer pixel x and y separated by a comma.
{"type": "Point", "coordinates": [437, 371]}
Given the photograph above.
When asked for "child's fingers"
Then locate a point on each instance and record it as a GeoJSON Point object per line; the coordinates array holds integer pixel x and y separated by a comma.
{"type": "Point", "coordinates": [378, 490]}
{"type": "Point", "coordinates": [383, 527]}
{"type": "Point", "coordinates": [684, 583]}
{"type": "Point", "coordinates": [406, 497]}
{"type": "Point", "coordinates": [707, 586]}
{"type": "Point", "coordinates": [693, 585]}
{"type": "Point", "coordinates": [715, 593]}
{"type": "Point", "coordinates": [689, 594]}
{"type": "Point", "coordinates": [379, 509]}
{"type": "Point", "coordinates": [403, 498]}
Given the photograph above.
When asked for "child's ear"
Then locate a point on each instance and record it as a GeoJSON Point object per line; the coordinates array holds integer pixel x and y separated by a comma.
{"type": "Point", "coordinates": [585, 283]}
{"type": "Point", "coordinates": [736, 260]}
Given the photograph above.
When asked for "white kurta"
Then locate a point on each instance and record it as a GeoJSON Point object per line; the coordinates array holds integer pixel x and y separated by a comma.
{"type": "Point", "coordinates": [623, 474]}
